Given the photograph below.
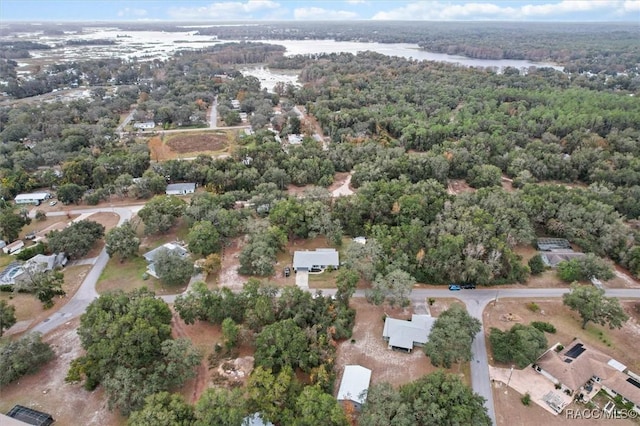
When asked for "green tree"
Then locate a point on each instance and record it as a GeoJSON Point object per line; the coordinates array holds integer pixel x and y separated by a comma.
{"type": "Point", "coordinates": [76, 239]}
{"type": "Point", "coordinates": [316, 407]}
{"type": "Point", "coordinates": [273, 395]}
{"type": "Point", "coordinates": [451, 337]}
{"type": "Point", "coordinates": [163, 409]}
{"type": "Point", "coordinates": [122, 241]}
{"type": "Point", "coordinates": [522, 344]}
{"type": "Point", "coordinates": [161, 213]}
{"type": "Point", "coordinates": [129, 349]}
{"type": "Point", "coordinates": [367, 259]}
{"type": "Point", "coordinates": [70, 193]}
{"type": "Point", "coordinates": [592, 305]}
{"type": "Point", "coordinates": [484, 175]}
{"type": "Point", "coordinates": [536, 265]}
{"type": "Point", "coordinates": [584, 268]}
{"type": "Point", "coordinates": [41, 215]}
{"type": "Point", "coordinates": [11, 223]}
{"type": "Point", "coordinates": [203, 238]}
{"type": "Point", "coordinates": [394, 287]}
{"type": "Point", "coordinates": [220, 406]}
{"type": "Point", "coordinates": [230, 332]}
{"type": "Point", "coordinates": [284, 344]}
{"type": "Point", "coordinates": [7, 316]}
{"type": "Point", "coordinates": [173, 269]}
{"type": "Point", "coordinates": [44, 284]}
{"type": "Point", "coordinates": [434, 399]}
{"type": "Point", "coordinates": [346, 282]}
{"type": "Point", "coordinates": [23, 356]}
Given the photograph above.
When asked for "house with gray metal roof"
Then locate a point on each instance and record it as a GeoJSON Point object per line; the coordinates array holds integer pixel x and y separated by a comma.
{"type": "Point", "coordinates": [354, 385]}
{"type": "Point", "coordinates": [180, 188]}
{"type": "Point", "coordinates": [315, 261]}
{"type": "Point", "coordinates": [404, 335]}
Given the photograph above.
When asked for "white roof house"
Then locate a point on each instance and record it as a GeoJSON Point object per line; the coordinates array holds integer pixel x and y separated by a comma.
{"type": "Point", "coordinates": [150, 256]}
{"type": "Point", "coordinates": [13, 248]}
{"type": "Point", "coordinates": [180, 188]}
{"type": "Point", "coordinates": [319, 259]}
{"type": "Point", "coordinates": [354, 385]}
{"type": "Point", "coordinates": [142, 125]}
{"type": "Point", "coordinates": [255, 420]}
{"type": "Point", "coordinates": [33, 198]}
{"type": "Point", "coordinates": [405, 335]}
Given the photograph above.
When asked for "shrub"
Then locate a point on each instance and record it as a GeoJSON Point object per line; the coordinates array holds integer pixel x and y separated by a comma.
{"type": "Point", "coordinates": [526, 399]}
{"type": "Point", "coordinates": [23, 356]}
{"type": "Point", "coordinates": [544, 326]}
{"type": "Point", "coordinates": [559, 348]}
{"type": "Point", "coordinates": [536, 265]}
{"type": "Point", "coordinates": [533, 307]}
{"type": "Point", "coordinates": [29, 252]}
{"type": "Point", "coordinates": [432, 301]}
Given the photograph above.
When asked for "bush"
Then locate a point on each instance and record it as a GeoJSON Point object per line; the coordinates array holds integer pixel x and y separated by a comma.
{"type": "Point", "coordinates": [8, 288]}
{"type": "Point", "coordinates": [29, 252]}
{"type": "Point", "coordinates": [536, 265]}
{"type": "Point", "coordinates": [23, 356]}
{"type": "Point", "coordinates": [544, 326]}
{"type": "Point", "coordinates": [533, 307]}
{"type": "Point", "coordinates": [41, 215]}
{"type": "Point", "coordinates": [559, 348]}
{"type": "Point", "coordinates": [526, 399]}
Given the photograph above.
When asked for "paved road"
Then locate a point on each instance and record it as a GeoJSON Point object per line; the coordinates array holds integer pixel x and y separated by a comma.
{"type": "Point", "coordinates": [87, 291]}
{"type": "Point", "coordinates": [475, 300]}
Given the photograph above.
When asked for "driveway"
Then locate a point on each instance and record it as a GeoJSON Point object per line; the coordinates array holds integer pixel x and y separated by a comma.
{"type": "Point", "coordinates": [302, 279]}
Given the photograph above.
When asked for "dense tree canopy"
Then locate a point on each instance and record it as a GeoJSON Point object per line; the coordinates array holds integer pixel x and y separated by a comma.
{"type": "Point", "coordinates": [129, 349]}
{"type": "Point", "coordinates": [522, 344]}
{"type": "Point", "coordinates": [434, 399]}
{"type": "Point", "coordinates": [76, 239]}
{"type": "Point", "coordinates": [451, 337]}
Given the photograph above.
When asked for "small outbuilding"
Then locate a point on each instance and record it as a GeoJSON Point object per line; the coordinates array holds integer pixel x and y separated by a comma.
{"type": "Point", "coordinates": [354, 385]}
{"type": "Point", "coordinates": [180, 188]}
{"type": "Point", "coordinates": [29, 416]}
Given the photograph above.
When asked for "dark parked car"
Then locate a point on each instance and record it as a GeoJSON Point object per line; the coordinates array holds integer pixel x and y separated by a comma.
{"type": "Point", "coordinates": [468, 286]}
{"type": "Point", "coordinates": [454, 287]}
{"type": "Point", "coordinates": [287, 271]}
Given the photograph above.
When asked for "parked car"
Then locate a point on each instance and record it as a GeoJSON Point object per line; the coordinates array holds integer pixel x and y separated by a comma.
{"type": "Point", "coordinates": [468, 286]}
{"type": "Point", "coordinates": [287, 271]}
{"type": "Point", "coordinates": [454, 287]}
{"type": "Point", "coordinates": [53, 203]}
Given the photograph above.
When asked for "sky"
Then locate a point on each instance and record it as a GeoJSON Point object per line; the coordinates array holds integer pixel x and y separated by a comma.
{"type": "Point", "coordinates": [290, 10]}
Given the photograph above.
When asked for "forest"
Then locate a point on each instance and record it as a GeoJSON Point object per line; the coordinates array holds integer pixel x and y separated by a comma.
{"type": "Point", "coordinates": [542, 153]}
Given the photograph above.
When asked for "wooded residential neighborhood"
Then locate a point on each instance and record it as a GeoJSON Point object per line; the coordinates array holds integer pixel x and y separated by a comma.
{"type": "Point", "coordinates": [241, 255]}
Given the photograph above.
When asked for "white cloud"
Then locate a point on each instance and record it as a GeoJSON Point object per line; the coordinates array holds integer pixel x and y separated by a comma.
{"type": "Point", "coordinates": [132, 12]}
{"type": "Point", "coordinates": [441, 11]}
{"type": "Point", "coordinates": [356, 1]}
{"type": "Point", "coordinates": [319, 14]}
{"type": "Point", "coordinates": [225, 10]}
{"type": "Point", "coordinates": [631, 6]}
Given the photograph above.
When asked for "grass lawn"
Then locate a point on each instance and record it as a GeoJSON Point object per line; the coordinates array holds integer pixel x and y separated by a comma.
{"type": "Point", "coordinates": [127, 276]}
{"type": "Point", "coordinates": [6, 259]}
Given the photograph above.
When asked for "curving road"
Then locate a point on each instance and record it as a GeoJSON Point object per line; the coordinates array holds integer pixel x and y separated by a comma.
{"type": "Point", "coordinates": [87, 291]}
{"type": "Point", "coordinates": [475, 301]}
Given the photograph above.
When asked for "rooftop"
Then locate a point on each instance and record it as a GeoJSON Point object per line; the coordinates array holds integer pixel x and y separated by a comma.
{"type": "Point", "coordinates": [354, 384]}
{"type": "Point", "coordinates": [319, 258]}
{"type": "Point", "coordinates": [405, 334]}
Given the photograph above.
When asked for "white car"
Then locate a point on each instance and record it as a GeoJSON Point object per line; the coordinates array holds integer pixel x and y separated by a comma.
{"type": "Point", "coordinates": [53, 203]}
